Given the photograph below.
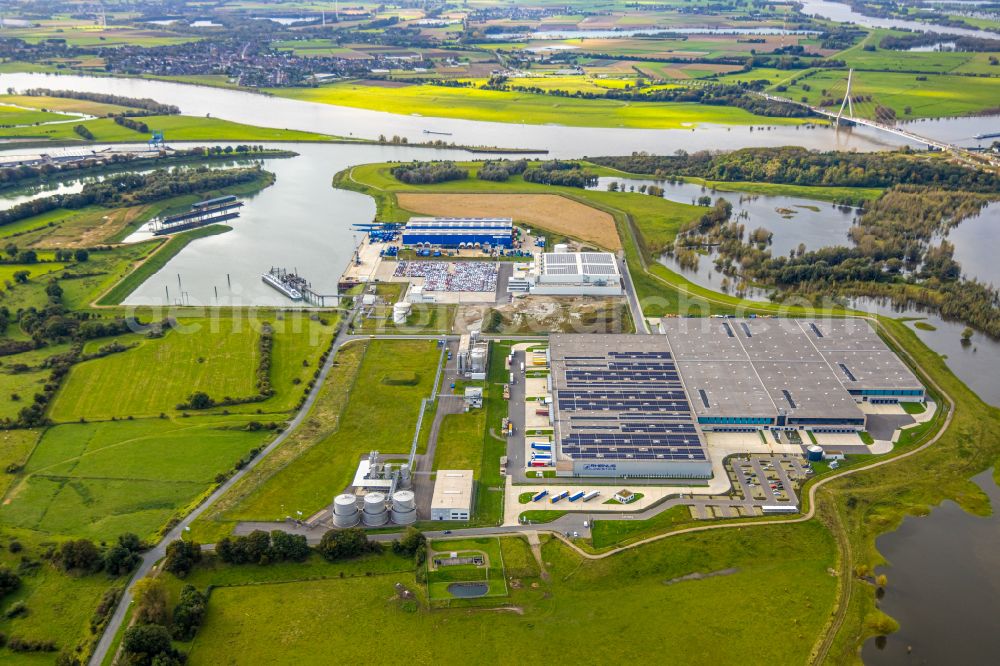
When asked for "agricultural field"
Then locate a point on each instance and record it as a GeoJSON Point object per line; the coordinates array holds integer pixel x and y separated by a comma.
{"type": "Point", "coordinates": [748, 565]}
{"type": "Point", "coordinates": [99, 480]}
{"type": "Point", "coordinates": [514, 107]}
{"type": "Point", "coordinates": [925, 95]}
{"type": "Point", "coordinates": [550, 212]}
{"type": "Point", "coordinates": [218, 356]}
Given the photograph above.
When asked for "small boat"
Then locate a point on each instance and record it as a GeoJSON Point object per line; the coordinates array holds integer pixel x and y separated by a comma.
{"type": "Point", "coordinates": [440, 133]}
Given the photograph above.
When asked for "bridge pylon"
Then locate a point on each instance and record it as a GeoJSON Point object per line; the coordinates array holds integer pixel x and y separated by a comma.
{"type": "Point", "coordinates": [847, 99]}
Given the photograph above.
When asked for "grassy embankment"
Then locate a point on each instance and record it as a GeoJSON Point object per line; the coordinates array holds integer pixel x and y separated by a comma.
{"type": "Point", "coordinates": [514, 107]}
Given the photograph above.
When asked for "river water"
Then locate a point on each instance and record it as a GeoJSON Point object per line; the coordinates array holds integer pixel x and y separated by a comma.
{"type": "Point", "coordinates": [559, 140]}
{"type": "Point", "coordinates": [841, 13]}
{"type": "Point", "coordinates": [303, 223]}
{"type": "Point", "coordinates": [944, 587]}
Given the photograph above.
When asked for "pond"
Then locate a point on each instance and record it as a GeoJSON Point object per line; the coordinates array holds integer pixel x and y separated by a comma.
{"type": "Point", "coordinates": [468, 590]}
{"type": "Point", "coordinates": [792, 220]}
{"type": "Point", "coordinates": [944, 587]}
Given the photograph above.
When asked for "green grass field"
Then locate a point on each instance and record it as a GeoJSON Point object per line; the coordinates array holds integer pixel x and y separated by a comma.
{"type": "Point", "coordinates": [60, 605]}
{"type": "Point", "coordinates": [510, 107]}
{"type": "Point", "coordinates": [216, 355]}
{"type": "Point", "coordinates": [322, 423]}
{"type": "Point", "coordinates": [935, 96]}
{"type": "Point", "coordinates": [101, 479]}
{"type": "Point", "coordinates": [174, 128]}
{"type": "Point", "coordinates": [12, 115]}
{"type": "Point", "coordinates": [379, 416]}
{"type": "Point", "coordinates": [57, 104]}
{"type": "Point", "coordinates": [568, 618]}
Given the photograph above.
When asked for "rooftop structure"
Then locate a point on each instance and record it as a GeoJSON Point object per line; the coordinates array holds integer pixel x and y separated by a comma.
{"type": "Point", "coordinates": [619, 409]}
{"type": "Point", "coordinates": [743, 374]}
{"type": "Point", "coordinates": [452, 499]}
{"type": "Point", "coordinates": [459, 231]}
{"type": "Point", "coordinates": [571, 273]}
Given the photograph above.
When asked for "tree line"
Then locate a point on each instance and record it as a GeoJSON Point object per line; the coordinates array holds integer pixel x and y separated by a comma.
{"type": "Point", "coordinates": [136, 105]}
{"type": "Point", "coordinates": [800, 166]}
{"type": "Point", "coordinates": [130, 189]}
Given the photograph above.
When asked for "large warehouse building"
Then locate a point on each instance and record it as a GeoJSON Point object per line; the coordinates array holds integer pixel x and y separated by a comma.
{"type": "Point", "coordinates": [749, 374]}
{"type": "Point", "coordinates": [619, 409]}
{"type": "Point", "coordinates": [459, 232]}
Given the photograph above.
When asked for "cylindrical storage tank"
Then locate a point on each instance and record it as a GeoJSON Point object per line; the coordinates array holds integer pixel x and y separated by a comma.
{"type": "Point", "coordinates": [561, 248]}
{"type": "Point", "coordinates": [404, 511]}
{"type": "Point", "coordinates": [814, 453]}
{"type": "Point", "coordinates": [345, 510]}
{"type": "Point", "coordinates": [374, 514]}
{"type": "Point", "coordinates": [404, 475]}
{"type": "Point", "coordinates": [400, 311]}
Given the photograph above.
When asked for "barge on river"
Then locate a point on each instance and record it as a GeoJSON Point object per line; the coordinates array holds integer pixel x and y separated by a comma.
{"type": "Point", "coordinates": [290, 285]}
{"type": "Point", "coordinates": [202, 213]}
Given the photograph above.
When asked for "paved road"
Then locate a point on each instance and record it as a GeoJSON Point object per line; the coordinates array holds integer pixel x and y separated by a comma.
{"type": "Point", "coordinates": [633, 298]}
{"type": "Point", "coordinates": [154, 555]}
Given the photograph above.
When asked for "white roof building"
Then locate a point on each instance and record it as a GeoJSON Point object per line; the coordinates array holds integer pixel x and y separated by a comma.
{"type": "Point", "coordinates": [577, 273]}
{"type": "Point", "coordinates": [452, 499]}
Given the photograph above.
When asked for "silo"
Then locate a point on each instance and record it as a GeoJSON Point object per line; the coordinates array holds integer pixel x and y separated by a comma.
{"type": "Point", "coordinates": [400, 311]}
{"type": "Point", "coordinates": [814, 453]}
{"type": "Point", "coordinates": [404, 476]}
{"type": "Point", "coordinates": [345, 510]}
{"type": "Point", "coordinates": [374, 514]}
{"type": "Point", "coordinates": [404, 508]}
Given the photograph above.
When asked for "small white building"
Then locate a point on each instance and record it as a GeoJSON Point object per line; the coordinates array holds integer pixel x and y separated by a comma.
{"type": "Point", "coordinates": [452, 499]}
{"type": "Point", "coordinates": [576, 274]}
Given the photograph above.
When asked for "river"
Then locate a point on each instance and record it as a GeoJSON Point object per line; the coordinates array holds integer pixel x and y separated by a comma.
{"type": "Point", "coordinates": [841, 13]}
{"type": "Point", "coordinates": [944, 587]}
{"type": "Point", "coordinates": [559, 140]}
{"type": "Point", "coordinates": [301, 222]}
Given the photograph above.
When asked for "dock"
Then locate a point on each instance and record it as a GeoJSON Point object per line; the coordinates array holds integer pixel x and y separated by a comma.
{"type": "Point", "coordinates": [210, 211]}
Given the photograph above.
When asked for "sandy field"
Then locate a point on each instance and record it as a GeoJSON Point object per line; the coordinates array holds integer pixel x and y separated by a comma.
{"type": "Point", "coordinates": [547, 211]}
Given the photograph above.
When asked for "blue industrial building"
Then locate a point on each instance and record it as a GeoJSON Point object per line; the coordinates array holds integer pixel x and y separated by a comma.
{"type": "Point", "coordinates": [459, 232]}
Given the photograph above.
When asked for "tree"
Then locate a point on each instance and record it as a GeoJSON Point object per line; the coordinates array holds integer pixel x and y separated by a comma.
{"type": "Point", "coordinates": [81, 255]}
{"type": "Point", "coordinates": [9, 581]}
{"type": "Point", "coordinates": [285, 546]}
{"type": "Point", "coordinates": [345, 543]}
{"type": "Point", "coordinates": [200, 400]}
{"type": "Point", "coordinates": [151, 602]}
{"type": "Point", "coordinates": [148, 644]}
{"type": "Point", "coordinates": [967, 335]}
{"type": "Point", "coordinates": [21, 277]}
{"type": "Point", "coordinates": [81, 555]}
{"type": "Point", "coordinates": [181, 557]}
{"type": "Point", "coordinates": [188, 613]}
{"type": "Point", "coordinates": [411, 541]}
